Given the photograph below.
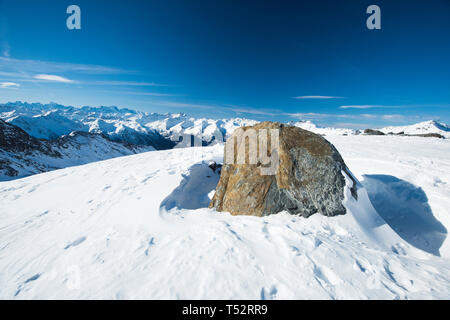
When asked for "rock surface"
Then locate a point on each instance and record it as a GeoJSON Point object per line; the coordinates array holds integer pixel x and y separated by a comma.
{"type": "Point", "coordinates": [308, 178]}
{"type": "Point", "coordinates": [372, 132]}
{"type": "Point", "coordinates": [22, 155]}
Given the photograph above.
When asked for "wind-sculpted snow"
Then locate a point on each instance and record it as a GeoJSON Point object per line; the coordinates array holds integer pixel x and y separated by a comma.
{"type": "Point", "coordinates": [123, 229]}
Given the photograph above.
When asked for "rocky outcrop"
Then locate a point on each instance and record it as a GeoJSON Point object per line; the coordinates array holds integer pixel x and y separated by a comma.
{"type": "Point", "coordinates": [424, 135]}
{"type": "Point", "coordinates": [308, 177]}
{"type": "Point", "coordinates": [14, 139]}
{"type": "Point", "coordinates": [428, 135]}
{"type": "Point", "coordinates": [372, 132]}
{"type": "Point", "coordinates": [22, 155]}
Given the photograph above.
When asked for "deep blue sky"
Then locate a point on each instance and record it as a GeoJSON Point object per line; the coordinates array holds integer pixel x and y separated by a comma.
{"type": "Point", "coordinates": [217, 58]}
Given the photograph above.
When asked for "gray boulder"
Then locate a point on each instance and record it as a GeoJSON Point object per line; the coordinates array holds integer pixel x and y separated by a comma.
{"type": "Point", "coordinates": [308, 178]}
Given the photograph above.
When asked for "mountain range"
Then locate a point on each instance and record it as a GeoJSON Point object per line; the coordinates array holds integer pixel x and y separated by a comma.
{"type": "Point", "coordinates": [38, 137]}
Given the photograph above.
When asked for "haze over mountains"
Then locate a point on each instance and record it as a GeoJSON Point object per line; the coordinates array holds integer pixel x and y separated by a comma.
{"type": "Point", "coordinates": [38, 137]}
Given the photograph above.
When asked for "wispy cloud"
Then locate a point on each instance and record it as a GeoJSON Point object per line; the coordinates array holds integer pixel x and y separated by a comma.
{"type": "Point", "coordinates": [171, 104]}
{"type": "Point", "coordinates": [255, 111]}
{"type": "Point", "coordinates": [369, 106]}
{"type": "Point", "coordinates": [314, 115]}
{"type": "Point", "coordinates": [393, 117]}
{"type": "Point", "coordinates": [317, 97]}
{"type": "Point", "coordinates": [218, 108]}
{"type": "Point", "coordinates": [377, 106]}
{"type": "Point", "coordinates": [127, 83]}
{"type": "Point", "coordinates": [6, 50]}
{"type": "Point", "coordinates": [9, 85]}
{"type": "Point", "coordinates": [139, 93]}
{"type": "Point", "coordinates": [308, 115]}
{"type": "Point", "coordinates": [38, 66]}
{"type": "Point", "coordinates": [320, 116]}
{"type": "Point", "coordinates": [51, 77]}
{"type": "Point", "coordinates": [368, 116]}
{"type": "Point", "coordinates": [32, 70]}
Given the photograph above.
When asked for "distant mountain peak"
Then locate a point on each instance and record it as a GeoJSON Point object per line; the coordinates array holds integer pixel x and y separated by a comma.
{"type": "Point", "coordinates": [424, 127]}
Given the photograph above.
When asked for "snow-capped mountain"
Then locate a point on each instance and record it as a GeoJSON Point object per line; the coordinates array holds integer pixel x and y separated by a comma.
{"type": "Point", "coordinates": [425, 127]}
{"type": "Point", "coordinates": [161, 131]}
{"type": "Point", "coordinates": [23, 155]}
{"type": "Point", "coordinates": [59, 136]}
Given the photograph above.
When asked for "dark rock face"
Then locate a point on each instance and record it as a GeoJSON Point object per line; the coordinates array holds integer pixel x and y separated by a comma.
{"type": "Point", "coordinates": [215, 167]}
{"type": "Point", "coordinates": [14, 139]}
{"type": "Point", "coordinates": [23, 155]}
{"type": "Point", "coordinates": [429, 135]}
{"type": "Point", "coordinates": [308, 178]}
{"type": "Point", "coordinates": [425, 135]}
{"type": "Point", "coordinates": [372, 132]}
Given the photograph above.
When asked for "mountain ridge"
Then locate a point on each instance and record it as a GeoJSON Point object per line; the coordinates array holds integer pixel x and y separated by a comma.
{"type": "Point", "coordinates": [162, 131]}
{"type": "Point", "coordinates": [22, 155]}
{"type": "Point", "coordinates": [45, 134]}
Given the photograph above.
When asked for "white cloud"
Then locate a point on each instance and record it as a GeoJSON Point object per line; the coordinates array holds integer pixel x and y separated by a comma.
{"type": "Point", "coordinates": [137, 93]}
{"type": "Point", "coordinates": [51, 77]}
{"type": "Point", "coordinates": [317, 97]}
{"type": "Point", "coordinates": [370, 106]}
{"type": "Point", "coordinates": [26, 70]}
{"type": "Point", "coordinates": [255, 111]}
{"type": "Point", "coordinates": [9, 85]}
{"type": "Point", "coordinates": [171, 104]}
{"type": "Point", "coordinates": [359, 107]}
{"type": "Point", "coordinates": [368, 116]}
{"type": "Point", "coordinates": [6, 50]}
{"type": "Point", "coordinates": [316, 116]}
{"type": "Point", "coordinates": [393, 117]}
{"type": "Point", "coordinates": [38, 66]}
{"type": "Point", "coordinates": [127, 83]}
{"type": "Point", "coordinates": [309, 115]}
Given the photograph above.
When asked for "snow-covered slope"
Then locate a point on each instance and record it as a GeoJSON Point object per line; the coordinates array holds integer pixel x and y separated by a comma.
{"type": "Point", "coordinates": [421, 128]}
{"type": "Point", "coordinates": [138, 227]}
{"type": "Point", "coordinates": [326, 131]}
{"type": "Point", "coordinates": [23, 155]}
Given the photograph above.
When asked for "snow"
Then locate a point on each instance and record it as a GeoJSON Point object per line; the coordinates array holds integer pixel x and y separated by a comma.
{"type": "Point", "coordinates": [47, 126]}
{"type": "Point", "coordinates": [139, 227]}
{"type": "Point", "coordinates": [51, 121]}
{"type": "Point", "coordinates": [310, 126]}
{"type": "Point", "coordinates": [425, 127]}
{"type": "Point", "coordinates": [74, 149]}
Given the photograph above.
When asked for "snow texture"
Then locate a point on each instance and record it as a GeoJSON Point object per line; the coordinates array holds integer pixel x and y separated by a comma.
{"type": "Point", "coordinates": [138, 227]}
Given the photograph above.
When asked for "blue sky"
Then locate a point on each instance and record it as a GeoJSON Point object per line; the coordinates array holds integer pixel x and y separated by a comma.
{"type": "Point", "coordinates": [266, 60]}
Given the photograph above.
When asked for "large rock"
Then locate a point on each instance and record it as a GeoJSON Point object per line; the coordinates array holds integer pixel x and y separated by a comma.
{"type": "Point", "coordinates": [307, 180]}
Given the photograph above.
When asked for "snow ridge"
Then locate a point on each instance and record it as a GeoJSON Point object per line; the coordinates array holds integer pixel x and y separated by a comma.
{"type": "Point", "coordinates": [425, 127]}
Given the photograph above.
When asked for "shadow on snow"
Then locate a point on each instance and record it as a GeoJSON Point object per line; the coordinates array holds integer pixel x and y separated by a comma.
{"type": "Point", "coordinates": [405, 208]}
{"type": "Point", "coordinates": [401, 204]}
{"type": "Point", "coordinates": [193, 191]}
